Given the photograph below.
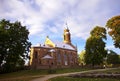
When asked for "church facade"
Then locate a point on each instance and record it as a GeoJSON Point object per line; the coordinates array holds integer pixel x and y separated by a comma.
{"type": "Point", "coordinates": [54, 54]}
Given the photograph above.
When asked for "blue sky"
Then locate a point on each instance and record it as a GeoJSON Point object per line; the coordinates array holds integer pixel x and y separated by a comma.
{"type": "Point", "coordinates": [48, 17]}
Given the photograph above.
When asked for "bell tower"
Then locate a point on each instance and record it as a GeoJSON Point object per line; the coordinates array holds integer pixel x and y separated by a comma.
{"type": "Point", "coordinates": [67, 37]}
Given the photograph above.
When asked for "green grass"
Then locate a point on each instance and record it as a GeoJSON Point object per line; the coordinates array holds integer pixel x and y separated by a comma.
{"type": "Point", "coordinates": [19, 79]}
{"type": "Point", "coordinates": [23, 73]}
{"type": "Point", "coordinates": [112, 71]}
{"type": "Point", "coordinates": [81, 79]}
{"type": "Point", "coordinates": [62, 78]}
{"type": "Point", "coordinates": [109, 71]}
{"type": "Point", "coordinates": [26, 74]}
{"type": "Point", "coordinates": [68, 70]}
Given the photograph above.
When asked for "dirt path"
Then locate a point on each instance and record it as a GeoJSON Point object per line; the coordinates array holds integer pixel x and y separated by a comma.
{"type": "Point", "coordinates": [46, 77]}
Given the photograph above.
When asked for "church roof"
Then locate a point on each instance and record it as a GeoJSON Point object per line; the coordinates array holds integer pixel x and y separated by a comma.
{"type": "Point", "coordinates": [56, 44]}
{"type": "Point", "coordinates": [63, 45]}
{"type": "Point", "coordinates": [41, 45]}
{"type": "Point", "coordinates": [53, 44]}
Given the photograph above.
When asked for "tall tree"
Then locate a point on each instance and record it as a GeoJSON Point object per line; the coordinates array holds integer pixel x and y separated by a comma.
{"type": "Point", "coordinates": [95, 46]}
{"type": "Point", "coordinates": [113, 26]}
{"type": "Point", "coordinates": [14, 45]}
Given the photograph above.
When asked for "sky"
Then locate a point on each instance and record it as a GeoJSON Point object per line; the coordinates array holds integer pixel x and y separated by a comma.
{"type": "Point", "coordinates": [49, 17]}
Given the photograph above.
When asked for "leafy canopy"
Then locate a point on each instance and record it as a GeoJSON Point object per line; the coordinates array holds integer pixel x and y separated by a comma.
{"type": "Point", "coordinates": [99, 32]}
{"type": "Point", "coordinates": [95, 46]}
{"type": "Point", "coordinates": [14, 44]}
{"type": "Point", "coordinates": [113, 26]}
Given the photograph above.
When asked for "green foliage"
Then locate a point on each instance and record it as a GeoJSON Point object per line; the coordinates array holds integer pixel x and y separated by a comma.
{"type": "Point", "coordinates": [95, 46]}
{"type": "Point", "coordinates": [113, 25]}
{"type": "Point", "coordinates": [14, 45]}
{"type": "Point", "coordinates": [99, 32]}
{"type": "Point", "coordinates": [95, 51]}
{"type": "Point", "coordinates": [113, 58]}
{"type": "Point", "coordinates": [82, 57]}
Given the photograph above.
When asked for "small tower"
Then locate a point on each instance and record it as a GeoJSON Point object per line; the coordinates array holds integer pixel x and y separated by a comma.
{"type": "Point", "coordinates": [67, 38]}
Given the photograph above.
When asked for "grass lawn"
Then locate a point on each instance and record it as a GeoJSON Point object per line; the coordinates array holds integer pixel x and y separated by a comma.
{"type": "Point", "coordinates": [62, 78]}
{"type": "Point", "coordinates": [81, 79]}
{"type": "Point", "coordinates": [19, 79]}
{"type": "Point", "coordinates": [111, 71]}
{"type": "Point", "coordinates": [68, 70]}
{"type": "Point", "coordinates": [28, 74]}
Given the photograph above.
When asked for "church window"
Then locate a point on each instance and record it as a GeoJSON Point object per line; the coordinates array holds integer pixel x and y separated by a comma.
{"type": "Point", "coordinates": [71, 57]}
{"type": "Point", "coordinates": [58, 57]}
{"type": "Point", "coordinates": [36, 54]}
{"type": "Point", "coordinates": [65, 59]}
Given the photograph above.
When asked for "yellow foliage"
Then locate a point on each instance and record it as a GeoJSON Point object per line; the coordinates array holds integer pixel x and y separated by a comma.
{"type": "Point", "coordinates": [81, 57]}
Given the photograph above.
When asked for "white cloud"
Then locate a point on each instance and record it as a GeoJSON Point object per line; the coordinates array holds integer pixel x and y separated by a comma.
{"type": "Point", "coordinates": [81, 15]}
{"type": "Point", "coordinates": [54, 29]}
{"type": "Point", "coordinates": [48, 17]}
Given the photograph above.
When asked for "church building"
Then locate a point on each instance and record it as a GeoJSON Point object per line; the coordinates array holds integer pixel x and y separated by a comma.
{"type": "Point", "coordinates": [54, 54]}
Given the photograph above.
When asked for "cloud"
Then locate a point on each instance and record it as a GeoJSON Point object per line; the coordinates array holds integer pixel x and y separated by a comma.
{"type": "Point", "coordinates": [48, 17]}
{"type": "Point", "coordinates": [51, 15]}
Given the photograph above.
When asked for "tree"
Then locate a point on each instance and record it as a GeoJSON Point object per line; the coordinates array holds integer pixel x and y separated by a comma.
{"type": "Point", "coordinates": [14, 45]}
{"type": "Point", "coordinates": [95, 46]}
{"type": "Point", "coordinates": [113, 58]}
{"type": "Point", "coordinates": [99, 32]}
{"type": "Point", "coordinates": [82, 57]}
{"type": "Point", "coordinates": [113, 26]}
{"type": "Point", "coordinates": [95, 51]}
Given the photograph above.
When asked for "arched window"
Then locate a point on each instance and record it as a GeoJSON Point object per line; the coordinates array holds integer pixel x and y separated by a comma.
{"type": "Point", "coordinates": [71, 57]}
{"type": "Point", "coordinates": [58, 57]}
{"type": "Point", "coordinates": [65, 58]}
{"type": "Point", "coordinates": [36, 54]}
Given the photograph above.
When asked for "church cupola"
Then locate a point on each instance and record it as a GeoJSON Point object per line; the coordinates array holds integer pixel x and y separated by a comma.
{"type": "Point", "coordinates": [67, 37]}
